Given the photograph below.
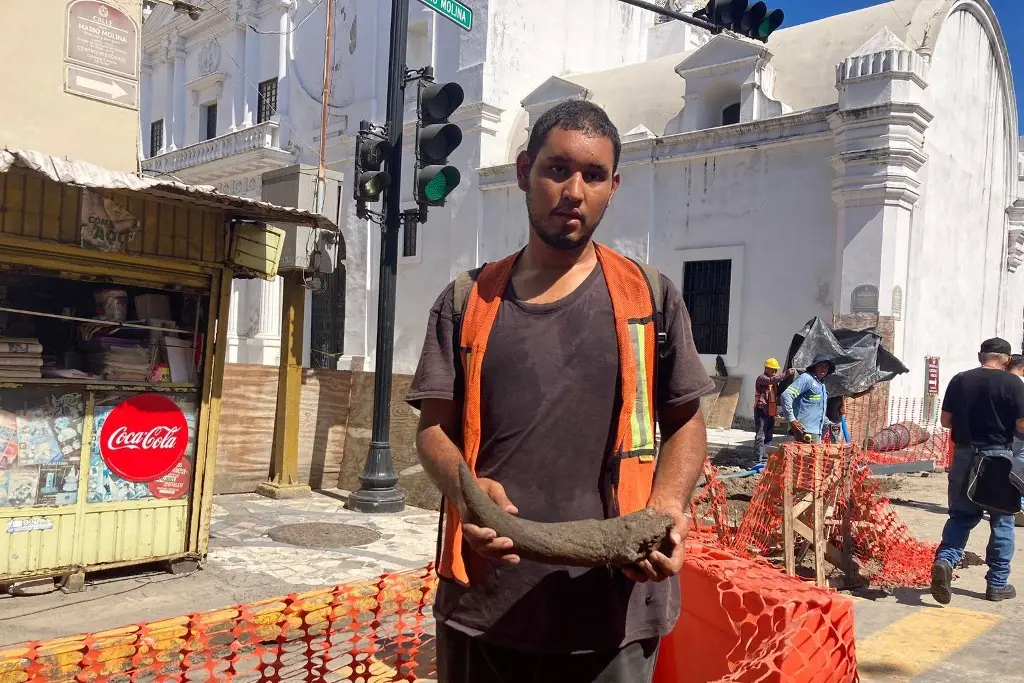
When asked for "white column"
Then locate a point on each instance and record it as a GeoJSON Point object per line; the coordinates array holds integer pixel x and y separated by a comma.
{"type": "Point", "coordinates": [168, 101]}
{"type": "Point", "coordinates": [269, 325]}
{"type": "Point", "coordinates": [238, 81]}
{"type": "Point", "coordinates": [283, 82]}
{"type": "Point", "coordinates": [252, 77]}
{"type": "Point", "coordinates": [179, 96]}
{"type": "Point", "coordinates": [879, 152]}
{"type": "Point", "coordinates": [145, 107]}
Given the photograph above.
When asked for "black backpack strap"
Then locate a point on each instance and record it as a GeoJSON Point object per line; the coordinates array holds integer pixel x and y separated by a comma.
{"type": "Point", "coordinates": [653, 277]}
{"type": "Point", "coordinates": [460, 296]}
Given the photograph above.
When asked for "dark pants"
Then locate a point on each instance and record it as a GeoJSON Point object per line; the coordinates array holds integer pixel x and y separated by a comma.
{"type": "Point", "coordinates": [965, 515]}
{"type": "Point", "coordinates": [764, 427]}
{"type": "Point", "coordinates": [463, 659]}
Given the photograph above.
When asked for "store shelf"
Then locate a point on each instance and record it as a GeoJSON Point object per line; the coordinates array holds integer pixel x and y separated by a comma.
{"type": "Point", "coordinates": [103, 384]}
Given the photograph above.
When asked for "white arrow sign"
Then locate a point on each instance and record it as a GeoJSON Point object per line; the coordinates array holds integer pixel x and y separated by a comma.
{"type": "Point", "coordinates": [120, 92]}
{"type": "Point", "coordinates": [110, 88]}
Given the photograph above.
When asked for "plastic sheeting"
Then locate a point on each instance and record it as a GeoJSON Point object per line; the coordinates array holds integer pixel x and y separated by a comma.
{"type": "Point", "coordinates": [861, 360]}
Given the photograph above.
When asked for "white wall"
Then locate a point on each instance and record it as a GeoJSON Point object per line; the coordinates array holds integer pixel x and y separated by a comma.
{"type": "Point", "coordinates": [958, 237]}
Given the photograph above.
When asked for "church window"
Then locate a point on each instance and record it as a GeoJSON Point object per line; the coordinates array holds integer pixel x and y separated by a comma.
{"type": "Point", "coordinates": [706, 290]}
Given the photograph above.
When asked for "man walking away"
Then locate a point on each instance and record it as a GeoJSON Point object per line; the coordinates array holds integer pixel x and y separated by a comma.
{"type": "Point", "coordinates": [766, 405]}
{"type": "Point", "coordinates": [545, 372]}
{"type": "Point", "coordinates": [982, 407]}
{"type": "Point", "coordinates": [803, 403]}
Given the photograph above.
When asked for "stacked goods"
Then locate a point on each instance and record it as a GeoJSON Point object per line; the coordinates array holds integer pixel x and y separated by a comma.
{"type": "Point", "coordinates": [897, 437]}
{"type": "Point", "coordinates": [20, 358]}
{"type": "Point", "coordinates": [121, 360]}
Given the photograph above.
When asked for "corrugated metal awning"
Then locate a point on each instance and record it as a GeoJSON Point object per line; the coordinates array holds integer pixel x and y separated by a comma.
{"type": "Point", "coordinates": [84, 174]}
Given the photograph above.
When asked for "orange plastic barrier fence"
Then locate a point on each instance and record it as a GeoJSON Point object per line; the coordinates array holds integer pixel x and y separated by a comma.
{"type": "Point", "coordinates": [898, 430]}
{"type": "Point", "coordinates": [372, 632]}
{"type": "Point", "coordinates": [744, 620]}
{"type": "Point", "coordinates": [883, 544]}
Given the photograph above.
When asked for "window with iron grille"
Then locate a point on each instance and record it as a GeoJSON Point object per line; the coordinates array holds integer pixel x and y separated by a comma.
{"type": "Point", "coordinates": [268, 100]}
{"type": "Point", "coordinates": [706, 294]}
{"type": "Point", "coordinates": [210, 121]}
{"type": "Point", "coordinates": [409, 239]}
{"type": "Point", "coordinates": [156, 137]}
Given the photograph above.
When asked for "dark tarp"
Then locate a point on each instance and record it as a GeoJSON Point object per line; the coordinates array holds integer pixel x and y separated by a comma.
{"type": "Point", "coordinates": [861, 360]}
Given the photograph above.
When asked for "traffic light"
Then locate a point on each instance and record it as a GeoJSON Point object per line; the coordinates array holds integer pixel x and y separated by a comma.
{"type": "Point", "coordinates": [436, 139]}
{"type": "Point", "coordinates": [372, 151]}
{"type": "Point", "coordinates": [753, 20]}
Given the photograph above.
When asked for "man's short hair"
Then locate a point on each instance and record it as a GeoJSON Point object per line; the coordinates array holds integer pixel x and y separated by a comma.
{"type": "Point", "coordinates": [1016, 361]}
{"type": "Point", "coordinates": [990, 357]}
{"type": "Point", "coordinates": [576, 115]}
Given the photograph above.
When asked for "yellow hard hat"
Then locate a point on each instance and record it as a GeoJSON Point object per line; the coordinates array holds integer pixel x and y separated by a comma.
{"type": "Point", "coordinates": [772, 364]}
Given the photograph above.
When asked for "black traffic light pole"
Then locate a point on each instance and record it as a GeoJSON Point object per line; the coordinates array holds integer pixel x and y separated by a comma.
{"type": "Point", "coordinates": [666, 12]}
{"type": "Point", "coordinates": [378, 484]}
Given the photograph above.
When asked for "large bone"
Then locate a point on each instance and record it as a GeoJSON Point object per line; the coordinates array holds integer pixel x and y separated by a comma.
{"type": "Point", "coordinates": [587, 543]}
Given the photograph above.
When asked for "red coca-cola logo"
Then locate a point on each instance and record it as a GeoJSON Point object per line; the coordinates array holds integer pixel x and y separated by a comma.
{"type": "Point", "coordinates": [143, 438]}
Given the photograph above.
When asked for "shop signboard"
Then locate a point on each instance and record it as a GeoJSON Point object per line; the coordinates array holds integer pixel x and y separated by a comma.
{"type": "Point", "coordinates": [142, 448]}
{"type": "Point", "coordinates": [105, 226]}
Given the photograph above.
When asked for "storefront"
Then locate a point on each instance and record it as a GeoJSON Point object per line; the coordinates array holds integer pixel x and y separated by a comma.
{"type": "Point", "coordinates": [114, 294]}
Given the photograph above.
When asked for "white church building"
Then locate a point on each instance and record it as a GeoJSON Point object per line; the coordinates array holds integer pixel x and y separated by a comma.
{"type": "Point", "coordinates": [864, 169]}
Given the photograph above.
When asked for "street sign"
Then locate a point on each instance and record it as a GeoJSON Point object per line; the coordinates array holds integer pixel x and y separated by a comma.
{"type": "Point", "coordinates": [452, 10]}
{"type": "Point", "coordinates": [100, 36]}
{"type": "Point", "coordinates": [96, 85]}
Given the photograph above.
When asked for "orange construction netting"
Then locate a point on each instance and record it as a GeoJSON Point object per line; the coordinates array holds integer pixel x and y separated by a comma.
{"type": "Point", "coordinates": [744, 620]}
{"type": "Point", "coordinates": [857, 515]}
{"type": "Point", "coordinates": [741, 620]}
{"type": "Point", "coordinates": [371, 632]}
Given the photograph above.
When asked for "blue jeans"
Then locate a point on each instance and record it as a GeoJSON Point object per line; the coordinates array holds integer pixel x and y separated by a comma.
{"type": "Point", "coordinates": [965, 515]}
{"type": "Point", "coordinates": [764, 427]}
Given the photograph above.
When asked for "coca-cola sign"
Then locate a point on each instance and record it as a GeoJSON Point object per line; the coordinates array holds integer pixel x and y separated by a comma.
{"type": "Point", "coordinates": [143, 437]}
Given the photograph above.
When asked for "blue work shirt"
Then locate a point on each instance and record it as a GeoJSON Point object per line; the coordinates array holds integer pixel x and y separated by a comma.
{"type": "Point", "coordinates": [805, 401]}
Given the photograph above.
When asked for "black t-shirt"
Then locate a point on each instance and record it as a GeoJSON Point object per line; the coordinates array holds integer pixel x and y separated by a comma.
{"type": "Point", "coordinates": [548, 407]}
{"type": "Point", "coordinates": [985, 404]}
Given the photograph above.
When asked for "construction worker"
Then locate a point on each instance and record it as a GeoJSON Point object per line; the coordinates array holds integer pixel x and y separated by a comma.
{"type": "Point", "coordinates": [982, 408]}
{"type": "Point", "coordinates": [803, 403]}
{"type": "Point", "coordinates": [545, 378]}
{"type": "Point", "coordinates": [766, 405]}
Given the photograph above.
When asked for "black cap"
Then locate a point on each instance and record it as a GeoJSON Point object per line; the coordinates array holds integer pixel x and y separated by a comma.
{"type": "Point", "coordinates": [822, 358]}
{"type": "Point", "coordinates": [996, 345]}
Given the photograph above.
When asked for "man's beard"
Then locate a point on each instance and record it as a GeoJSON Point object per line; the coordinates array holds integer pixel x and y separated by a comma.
{"type": "Point", "coordinates": [560, 240]}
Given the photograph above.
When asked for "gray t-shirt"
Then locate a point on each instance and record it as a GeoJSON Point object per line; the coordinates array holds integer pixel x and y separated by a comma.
{"type": "Point", "coordinates": [549, 401]}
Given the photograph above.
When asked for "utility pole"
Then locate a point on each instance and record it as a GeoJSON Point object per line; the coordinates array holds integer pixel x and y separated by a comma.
{"type": "Point", "coordinates": [325, 107]}
{"type": "Point", "coordinates": [378, 484]}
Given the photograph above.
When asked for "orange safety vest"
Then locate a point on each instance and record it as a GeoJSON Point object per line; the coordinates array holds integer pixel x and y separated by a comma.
{"type": "Point", "coordinates": [633, 308]}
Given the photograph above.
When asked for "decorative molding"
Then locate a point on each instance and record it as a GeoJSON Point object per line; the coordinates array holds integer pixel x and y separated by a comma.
{"type": "Point", "coordinates": [209, 57]}
{"type": "Point", "coordinates": [242, 187]}
{"type": "Point", "coordinates": [205, 83]}
{"type": "Point", "coordinates": [884, 56]}
{"type": "Point", "coordinates": [1015, 236]}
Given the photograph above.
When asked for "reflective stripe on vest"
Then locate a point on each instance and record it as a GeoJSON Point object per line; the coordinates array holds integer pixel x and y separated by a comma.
{"type": "Point", "coordinates": [633, 311]}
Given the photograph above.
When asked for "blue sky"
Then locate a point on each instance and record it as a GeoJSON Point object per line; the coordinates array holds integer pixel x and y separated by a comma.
{"type": "Point", "coordinates": [1011, 15]}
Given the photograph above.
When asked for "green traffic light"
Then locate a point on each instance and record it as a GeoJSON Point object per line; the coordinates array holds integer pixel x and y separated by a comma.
{"type": "Point", "coordinates": [770, 23]}
{"type": "Point", "coordinates": [441, 183]}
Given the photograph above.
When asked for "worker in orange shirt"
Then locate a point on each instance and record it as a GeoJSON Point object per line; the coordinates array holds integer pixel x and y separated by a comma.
{"type": "Point", "coordinates": [766, 405]}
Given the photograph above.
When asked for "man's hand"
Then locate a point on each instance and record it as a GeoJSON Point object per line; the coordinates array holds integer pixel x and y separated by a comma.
{"type": "Point", "coordinates": [798, 426]}
{"type": "Point", "coordinates": [486, 542]}
{"type": "Point", "coordinates": [657, 566]}
{"type": "Point", "coordinates": [791, 372]}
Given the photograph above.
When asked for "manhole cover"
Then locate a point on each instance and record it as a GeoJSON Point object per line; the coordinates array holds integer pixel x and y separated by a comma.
{"type": "Point", "coordinates": [323, 535]}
